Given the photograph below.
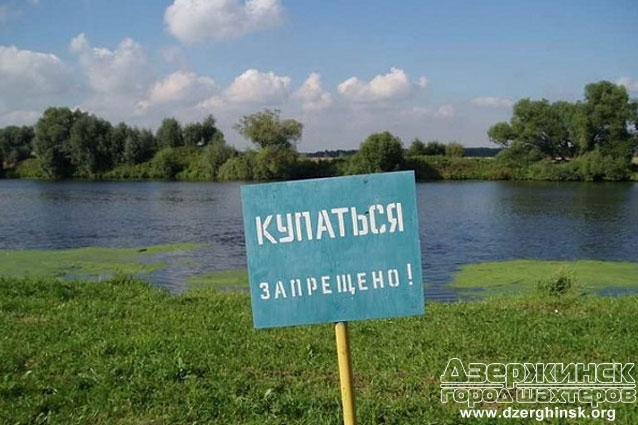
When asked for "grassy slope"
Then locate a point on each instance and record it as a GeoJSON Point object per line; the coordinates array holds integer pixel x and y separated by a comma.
{"type": "Point", "coordinates": [121, 352]}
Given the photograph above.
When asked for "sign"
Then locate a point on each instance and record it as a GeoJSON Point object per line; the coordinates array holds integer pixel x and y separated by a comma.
{"type": "Point", "coordinates": [334, 249]}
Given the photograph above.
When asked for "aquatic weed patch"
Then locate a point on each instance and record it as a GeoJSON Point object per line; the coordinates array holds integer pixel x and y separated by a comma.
{"type": "Point", "coordinates": [521, 276]}
{"type": "Point", "coordinates": [89, 262]}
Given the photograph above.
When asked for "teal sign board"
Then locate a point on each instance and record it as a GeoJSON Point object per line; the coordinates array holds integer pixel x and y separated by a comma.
{"type": "Point", "coordinates": [335, 249]}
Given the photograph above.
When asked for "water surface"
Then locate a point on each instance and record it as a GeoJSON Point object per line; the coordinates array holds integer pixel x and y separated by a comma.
{"type": "Point", "coordinates": [460, 222]}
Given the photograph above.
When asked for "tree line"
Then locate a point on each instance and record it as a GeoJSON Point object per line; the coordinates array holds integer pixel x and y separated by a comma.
{"type": "Point", "coordinates": [592, 139]}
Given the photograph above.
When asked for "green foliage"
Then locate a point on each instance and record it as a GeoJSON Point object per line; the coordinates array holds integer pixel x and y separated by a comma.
{"type": "Point", "coordinates": [122, 352]}
{"type": "Point", "coordinates": [15, 144]}
{"type": "Point", "coordinates": [202, 133]}
{"type": "Point", "coordinates": [603, 122]}
{"type": "Point", "coordinates": [417, 147]}
{"type": "Point", "coordinates": [380, 152]}
{"type": "Point", "coordinates": [89, 146]}
{"type": "Point", "coordinates": [164, 165]}
{"type": "Point", "coordinates": [313, 168]}
{"type": "Point", "coordinates": [192, 134]}
{"type": "Point", "coordinates": [51, 143]}
{"type": "Point", "coordinates": [117, 143]}
{"type": "Point", "coordinates": [130, 172]}
{"type": "Point", "coordinates": [139, 146]}
{"type": "Point", "coordinates": [454, 149]}
{"type": "Point", "coordinates": [543, 126]}
{"type": "Point", "coordinates": [434, 148]}
{"type": "Point", "coordinates": [169, 134]}
{"type": "Point", "coordinates": [266, 129]}
{"type": "Point", "coordinates": [216, 154]}
{"type": "Point", "coordinates": [29, 169]}
{"type": "Point", "coordinates": [502, 134]}
{"type": "Point", "coordinates": [428, 167]}
{"type": "Point", "coordinates": [560, 283]}
{"type": "Point", "coordinates": [607, 113]}
{"type": "Point", "coordinates": [274, 164]}
{"type": "Point", "coordinates": [238, 168]}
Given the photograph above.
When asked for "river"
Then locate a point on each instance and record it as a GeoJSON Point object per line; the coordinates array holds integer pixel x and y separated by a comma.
{"type": "Point", "coordinates": [460, 222]}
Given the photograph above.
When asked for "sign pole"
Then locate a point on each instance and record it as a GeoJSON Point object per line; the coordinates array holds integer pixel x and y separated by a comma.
{"type": "Point", "coordinates": [345, 373]}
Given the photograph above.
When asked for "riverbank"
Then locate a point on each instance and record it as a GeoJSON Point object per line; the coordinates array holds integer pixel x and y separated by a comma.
{"type": "Point", "coordinates": [188, 165]}
{"type": "Point", "coordinates": [122, 352]}
{"type": "Point", "coordinates": [479, 280]}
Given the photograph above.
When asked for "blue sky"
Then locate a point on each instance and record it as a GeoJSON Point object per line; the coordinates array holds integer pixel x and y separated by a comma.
{"type": "Point", "coordinates": [443, 70]}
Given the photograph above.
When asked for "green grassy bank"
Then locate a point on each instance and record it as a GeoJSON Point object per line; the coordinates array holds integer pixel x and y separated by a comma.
{"type": "Point", "coordinates": [122, 352]}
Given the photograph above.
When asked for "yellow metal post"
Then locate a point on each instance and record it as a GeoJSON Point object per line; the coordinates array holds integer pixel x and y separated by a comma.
{"type": "Point", "coordinates": [345, 374]}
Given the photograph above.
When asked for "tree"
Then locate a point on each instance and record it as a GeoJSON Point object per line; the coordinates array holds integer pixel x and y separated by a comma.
{"type": "Point", "coordinates": [169, 134]}
{"type": "Point", "coordinates": [51, 143]}
{"type": "Point", "coordinates": [119, 133]}
{"type": "Point", "coordinates": [90, 145]}
{"type": "Point", "coordinates": [16, 143]}
{"type": "Point", "coordinates": [378, 153]}
{"type": "Point", "coordinates": [210, 132]}
{"type": "Point", "coordinates": [541, 125]}
{"type": "Point", "coordinates": [434, 148]}
{"type": "Point", "coordinates": [139, 146]}
{"type": "Point", "coordinates": [266, 129]}
{"type": "Point", "coordinates": [606, 120]}
{"type": "Point", "coordinates": [416, 148]}
{"type": "Point", "coordinates": [193, 134]}
{"type": "Point", "coordinates": [502, 134]}
{"type": "Point", "coordinates": [216, 154]}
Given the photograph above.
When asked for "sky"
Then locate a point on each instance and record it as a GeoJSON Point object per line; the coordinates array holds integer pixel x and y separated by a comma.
{"type": "Point", "coordinates": [435, 69]}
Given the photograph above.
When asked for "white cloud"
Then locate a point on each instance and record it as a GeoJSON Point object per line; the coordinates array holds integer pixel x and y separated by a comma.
{"type": "Point", "coordinates": [197, 20]}
{"type": "Point", "coordinates": [181, 86]}
{"type": "Point", "coordinates": [30, 79]}
{"type": "Point", "coordinates": [124, 70]}
{"type": "Point", "coordinates": [443, 111]}
{"type": "Point", "coordinates": [393, 85]}
{"type": "Point", "coordinates": [492, 102]}
{"type": "Point", "coordinates": [422, 82]}
{"type": "Point", "coordinates": [312, 95]}
{"type": "Point", "coordinates": [258, 87]}
{"type": "Point", "coordinates": [629, 83]}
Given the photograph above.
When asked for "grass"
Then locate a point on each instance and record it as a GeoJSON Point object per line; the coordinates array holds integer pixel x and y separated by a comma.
{"type": "Point", "coordinates": [87, 262]}
{"type": "Point", "coordinates": [122, 352]}
{"type": "Point", "coordinates": [523, 275]}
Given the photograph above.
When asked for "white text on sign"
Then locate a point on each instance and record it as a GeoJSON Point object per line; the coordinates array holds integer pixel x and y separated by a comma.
{"type": "Point", "coordinates": [329, 223]}
{"type": "Point", "coordinates": [339, 284]}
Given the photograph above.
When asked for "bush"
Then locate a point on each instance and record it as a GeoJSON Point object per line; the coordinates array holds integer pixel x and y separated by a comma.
{"type": "Point", "coordinates": [164, 165]}
{"type": "Point", "coordinates": [274, 163]}
{"type": "Point", "coordinates": [379, 153]}
{"type": "Point", "coordinates": [594, 166]}
{"type": "Point", "coordinates": [560, 283]}
{"type": "Point", "coordinates": [238, 168]}
{"type": "Point", "coordinates": [454, 149]}
{"type": "Point", "coordinates": [29, 169]}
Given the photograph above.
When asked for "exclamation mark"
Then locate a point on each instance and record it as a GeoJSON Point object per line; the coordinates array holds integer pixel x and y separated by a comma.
{"type": "Point", "coordinates": [410, 274]}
